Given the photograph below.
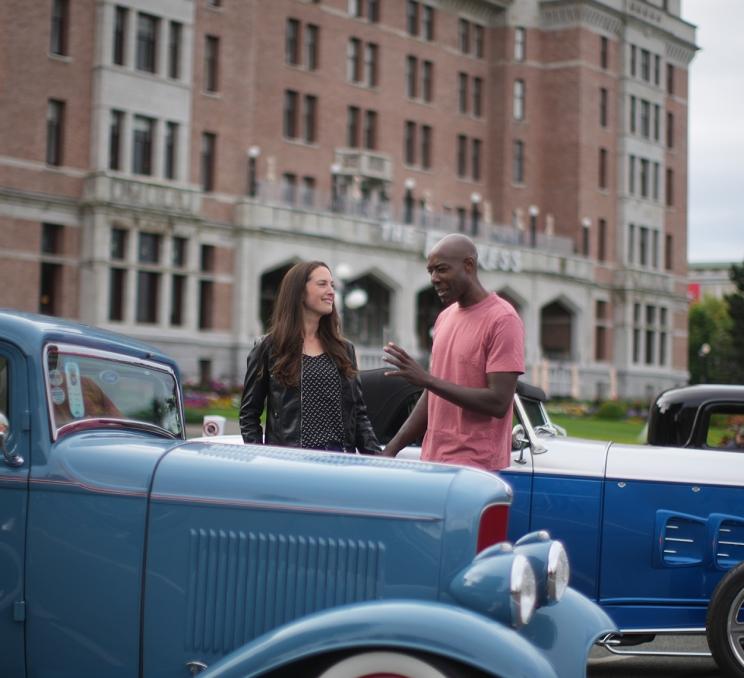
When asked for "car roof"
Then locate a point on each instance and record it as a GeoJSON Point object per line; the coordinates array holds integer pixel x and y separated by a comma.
{"type": "Point", "coordinates": [32, 331]}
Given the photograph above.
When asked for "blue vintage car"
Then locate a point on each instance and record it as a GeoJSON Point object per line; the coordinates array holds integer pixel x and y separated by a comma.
{"type": "Point", "coordinates": [128, 552]}
{"type": "Point", "coordinates": [655, 532]}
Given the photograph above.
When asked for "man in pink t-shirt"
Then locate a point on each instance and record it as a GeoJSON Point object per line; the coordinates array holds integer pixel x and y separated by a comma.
{"type": "Point", "coordinates": [476, 358]}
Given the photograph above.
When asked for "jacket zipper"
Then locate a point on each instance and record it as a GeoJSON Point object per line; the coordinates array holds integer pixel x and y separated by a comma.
{"type": "Point", "coordinates": [302, 370]}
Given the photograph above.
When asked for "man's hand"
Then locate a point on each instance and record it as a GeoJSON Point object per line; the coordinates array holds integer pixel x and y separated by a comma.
{"type": "Point", "coordinates": [407, 367]}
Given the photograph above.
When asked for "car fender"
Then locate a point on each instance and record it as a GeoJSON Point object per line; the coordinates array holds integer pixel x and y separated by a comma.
{"type": "Point", "coordinates": [418, 626]}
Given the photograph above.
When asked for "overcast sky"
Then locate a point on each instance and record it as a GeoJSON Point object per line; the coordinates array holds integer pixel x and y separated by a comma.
{"type": "Point", "coordinates": [716, 216]}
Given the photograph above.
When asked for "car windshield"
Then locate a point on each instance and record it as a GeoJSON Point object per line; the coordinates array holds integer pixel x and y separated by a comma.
{"type": "Point", "coordinates": [85, 385]}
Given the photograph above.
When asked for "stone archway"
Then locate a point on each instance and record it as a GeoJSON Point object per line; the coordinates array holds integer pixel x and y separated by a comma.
{"type": "Point", "coordinates": [369, 325]}
{"type": "Point", "coordinates": [556, 331]}
{"type": "Point", "coordinates": [270, 281]}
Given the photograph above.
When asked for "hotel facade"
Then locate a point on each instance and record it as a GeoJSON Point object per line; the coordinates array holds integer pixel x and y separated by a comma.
{"type": "Point", "coordinates": [163, 163]}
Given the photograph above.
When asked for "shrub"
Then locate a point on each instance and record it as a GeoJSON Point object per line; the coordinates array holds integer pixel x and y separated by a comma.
{"type": "Point", "coordinates": [612, 409]}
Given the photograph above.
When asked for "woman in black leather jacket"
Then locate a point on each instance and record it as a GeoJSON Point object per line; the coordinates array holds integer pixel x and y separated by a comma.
{"type": "Point", "coordinates": [305, 374]}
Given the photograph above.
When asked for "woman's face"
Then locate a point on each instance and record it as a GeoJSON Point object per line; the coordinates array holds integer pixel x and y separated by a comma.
{"type": "Point", "coordinates": [320, 294]}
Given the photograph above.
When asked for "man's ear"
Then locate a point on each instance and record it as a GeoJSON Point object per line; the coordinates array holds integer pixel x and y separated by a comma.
{"type": "Point", "coordinates": [470, 264]}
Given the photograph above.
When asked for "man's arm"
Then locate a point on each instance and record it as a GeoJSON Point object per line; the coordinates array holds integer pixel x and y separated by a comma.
{"type": "Point", "coordinates": [494, 400]}
{"type": "Point", "coordinates": [412, 429]}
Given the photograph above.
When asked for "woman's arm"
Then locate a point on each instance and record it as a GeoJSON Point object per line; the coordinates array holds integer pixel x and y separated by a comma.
{"type": "Point", "coordinates": [255, 389]}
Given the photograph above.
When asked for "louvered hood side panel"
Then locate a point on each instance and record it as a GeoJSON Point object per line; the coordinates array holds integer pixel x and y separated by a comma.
{"type": "Point", "coordinates": [242, 584]}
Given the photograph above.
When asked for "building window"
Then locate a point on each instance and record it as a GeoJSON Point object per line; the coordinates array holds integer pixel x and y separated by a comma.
{"type": "Point", "coordinates": [657, 69]}
{"type": "Point", "coordinates": [662, 336]}
{"type": "Point", "coordinates": [477, 97]}
{"type": "Point", "coordinates": [644, 178]}
{"type": "Point", "coordinates": [308, 191]}
{"type": "Point", "coordinates": [518, 162]}
{"type": "Point", "coordinates": [463, 33]}
{"type": "Point", "coordinates": [370, 130]}
{"type": "Point", "coordinates": [602, 239]}
{"type": "Point", "coordinates": [585, 238]}
{"type": "Point", "coordinates": [670, 130]}
{"type": "Point", "coordinates": [427, 84]}
{"type": "Point", "coordinates": [148, 290]}
{"type": "Point", "coordinates": [180, 248]}
{"type": "Point", "coordinates": [603, 106]}
{"type": "Point", "coordinates": [121, 18]}
{"type": "Point", "coordinates": [669, 187]}
{"type": "Point", "coordinates": [55, 131]}
{"type": "Point", "coordinates": [409, 143]}
{"type": "Point", "coordinates": [290, 114]}
{"type": "Point", "coordinates": [645, 119]}
{"type": "Point", "coordinates": [208, 157]}
{"type": "Point", "coordinates": [289, 188]}
{"type": "Point", "coordinates": [518, 104]}
{"type": "Point", "coordinates": [428, 22]}
{"type": "Point", "coordinates": [668, 252]}
{"type": "Point", "coordinates": [631, 174]}
{"type": "Point", "coordinates": [631, 243]}
{"type": "Point", "coordinates": [207, 259]}
{"type": "Point", "coordinates": [214, 3]}
{"type": "Point", "coordinates": [412, 17]}
{"type": "Point", "coordinates": [60, 24]}
{"type": "Point", "coordinates": [52, 238]}
{"type": "Point", "coordinates": [147, 42]}
{"type": "Point", "coordinates": [354, 8]}
{"type": "Point", "coordinates": [292, 42]}
{"type": "Point", "coordinates": [373, 11]}
{"type": "Point", "coordinates": [636, 333]}
{"type": "Point", "coordinates": [604, 52]}
{"type": "Point", "coordinates": [632, 114]}
{"type": "Point", "coordinates": [354, 60]}
{"type": "Point", "coordinates": [310, 118]}
{"type": "Point", "coordinates": [657, 121]}
{"type": "Point", "coordinates": [462, 155]}
{"type": "Point", "coordinates": [462, 93]}
{"type": "Point", "coordinates": [174, 50]}
{"type": "Point", "coordinates": [633, 59]}
{"type": "Point", "coordinates": [211, 63]}
{"type": "Point", "coordinates": [312, 43]}
{"type": "Point", "coordinates": [171, 146]}
{"type": "Point", "coordinates": [646, 65]}
{"type": "Point", "coordinates": [144, 132]}
{"type": "Point", "coordinates": [178, 294]}
{"type": "Point", "coordinates": [655, 182]}
{"type": "Point", "coordinates": [352, 126]}
{"type": "Point", "coordinates": [206, 304]}
{"type": "Point", "coordinates": [600, 335]}
{"type": "Point", "coordinates": [479, 40]}
{"type": "Point", "coordinates": [117, 288]}
{"type": "Point", "coordinates": [411, 76]}
{"type": "Point", "coordinates": [119, 244]}
{"type": "Point", "coordinates": [650, 334]}
{"type": "Point", "coordinates": [655, 248]}
{"type": "Point", "coordinates": [603, 168]}
{"type": "Point", "coordinates": [370, 64]}
{"type": "Point", "coordinates": [670, 78]}
{"type": "Point", "coordinates": [520, 43]}
{"type": "Point", "coordinates": [148, 251]}
{"type": "Point", "coordinates": [643, 246]}
{"type": "Point", "coordinates": [116, 127]}
{"type": "Point", "coordinates": [426, 147]}
{"type": "Point", "coordinates": [476, 159]}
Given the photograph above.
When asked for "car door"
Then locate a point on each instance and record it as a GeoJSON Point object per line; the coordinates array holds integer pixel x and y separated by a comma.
{"type": "Point", "coordinates": [673, 524]}
{"type": "Point", "coordinates": [13, 508]}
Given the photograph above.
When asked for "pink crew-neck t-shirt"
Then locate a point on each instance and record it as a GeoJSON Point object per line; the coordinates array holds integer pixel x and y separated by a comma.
{"type": "Point", "coordinates": [470, 342]}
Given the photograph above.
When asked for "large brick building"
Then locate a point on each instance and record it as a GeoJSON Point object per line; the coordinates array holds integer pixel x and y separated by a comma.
{"type": "Point", "coordinates": [162, 162]}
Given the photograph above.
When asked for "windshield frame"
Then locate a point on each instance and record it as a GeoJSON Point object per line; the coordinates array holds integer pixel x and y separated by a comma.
{"type": "Point", "coordinates": [102, 354]}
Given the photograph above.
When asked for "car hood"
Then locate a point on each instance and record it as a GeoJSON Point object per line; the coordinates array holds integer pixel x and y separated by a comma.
{"type": "Point", "coordinates": [309, 480]}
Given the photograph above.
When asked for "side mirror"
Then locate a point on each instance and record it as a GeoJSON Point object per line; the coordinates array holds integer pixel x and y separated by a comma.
{"type": "Point", "coordinates": [11, 458]}
{"type": "Point", "coordinates": [519, 439]}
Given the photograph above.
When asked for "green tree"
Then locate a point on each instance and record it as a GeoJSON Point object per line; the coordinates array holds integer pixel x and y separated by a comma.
{"type": "Point", "coordinates": [735, 304]}
{"type": "Point", "coordinates": [709, 324]}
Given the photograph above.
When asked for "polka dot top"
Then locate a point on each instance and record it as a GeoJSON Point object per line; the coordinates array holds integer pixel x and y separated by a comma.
{"type": "Point", "coordinates": [322, 421]}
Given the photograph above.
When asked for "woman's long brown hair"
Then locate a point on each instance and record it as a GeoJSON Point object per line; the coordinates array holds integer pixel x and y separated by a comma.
{"type": "Point", "coordinates": [286, 328]}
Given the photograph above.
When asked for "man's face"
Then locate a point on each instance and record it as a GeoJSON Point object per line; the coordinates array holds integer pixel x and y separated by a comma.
{"type": "Point", "coordinates": [449, 276]}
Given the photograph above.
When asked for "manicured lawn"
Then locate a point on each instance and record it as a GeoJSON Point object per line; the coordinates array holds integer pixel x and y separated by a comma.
{"type": "Point", "coordinates": [620, 431]}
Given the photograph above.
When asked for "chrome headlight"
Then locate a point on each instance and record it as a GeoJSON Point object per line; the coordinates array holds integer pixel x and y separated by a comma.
{"type": "Point", "coordinates": [558, 572]}
{"type": "Point", "coordinates": [550, 562]}
{"type": "Point", "coordinates": [523, 588]}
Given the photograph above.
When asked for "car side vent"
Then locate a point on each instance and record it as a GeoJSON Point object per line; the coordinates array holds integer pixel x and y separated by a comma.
{"type": "Point", "coordinates": [729, 543]}
{"type": "Point", "coordinates": [242, 584]}
{"type": "Point", "coordinates": [680, 539]}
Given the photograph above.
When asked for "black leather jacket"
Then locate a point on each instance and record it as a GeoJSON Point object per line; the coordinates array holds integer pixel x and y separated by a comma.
{"type": "Point", "coordinates": [284, 411]}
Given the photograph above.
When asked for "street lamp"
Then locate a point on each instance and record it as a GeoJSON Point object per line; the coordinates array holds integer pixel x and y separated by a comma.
{"type": "Point", "coordinates": [355, 298]}
{"type": "Point", "coordinates": [475, 199]}
{"type": "Point", "coordinates": [335, 171]}
{"type": "Point", "coordinates": [703, 353]}
{"type": "Point", "coordinates": [253, 153]}
{"type": "Point", "coordinates": [534, 211]}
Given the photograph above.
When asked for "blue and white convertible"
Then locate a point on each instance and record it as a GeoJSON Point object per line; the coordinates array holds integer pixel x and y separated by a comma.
{"type": "Point", "coordinates": [655, 532]}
